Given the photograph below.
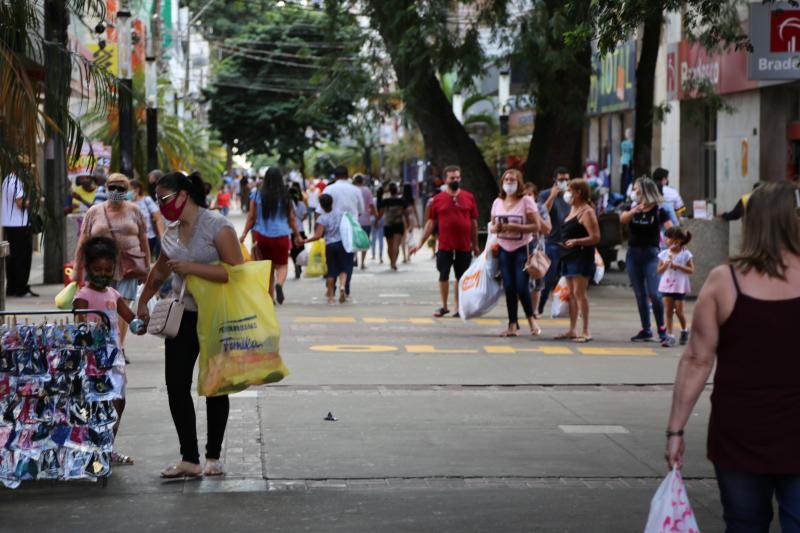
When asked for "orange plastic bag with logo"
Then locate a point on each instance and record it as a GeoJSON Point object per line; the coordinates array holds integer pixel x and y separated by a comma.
{"type": "Point", "coordinates": [478, 288]}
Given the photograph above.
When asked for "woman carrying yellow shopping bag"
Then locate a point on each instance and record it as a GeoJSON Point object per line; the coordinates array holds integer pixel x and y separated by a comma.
{"type": "Point", "coordinates": [193, 246]}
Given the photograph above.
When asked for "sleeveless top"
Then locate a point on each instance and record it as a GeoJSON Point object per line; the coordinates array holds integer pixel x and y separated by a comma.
{"type": "Point", "coordinates": [573, 229]}
{"type": "Point", "coordinates": [755, 405]}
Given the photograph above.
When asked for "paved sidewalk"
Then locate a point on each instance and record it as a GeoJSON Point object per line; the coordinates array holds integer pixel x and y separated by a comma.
{"type": "Point", "coordinates": [458, 438]}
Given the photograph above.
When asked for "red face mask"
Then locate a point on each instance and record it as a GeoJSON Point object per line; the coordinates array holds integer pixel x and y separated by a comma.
{"type": "Point", "coordinates": [171, 211]}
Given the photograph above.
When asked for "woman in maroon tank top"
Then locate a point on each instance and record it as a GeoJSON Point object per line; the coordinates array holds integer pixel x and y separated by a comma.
{"type": "Point", "coordinates": [745, 319]}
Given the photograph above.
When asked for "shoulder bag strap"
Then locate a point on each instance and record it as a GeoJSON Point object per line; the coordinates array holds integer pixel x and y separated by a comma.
{"type": "Point", "coordinates": [108, 221]}
{"type": "Point", "coordinates": [183, 291]}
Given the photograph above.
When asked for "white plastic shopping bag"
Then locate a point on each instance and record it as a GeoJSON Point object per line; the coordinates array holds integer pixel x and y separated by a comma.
{"type": "Point", "coordinates": [302, 258]}
{"type": "Point", "coordinates": [559, 299]}
{"type": "Point", "coordinates": [599, 267]}
{"type": "Point", "coordinates": [670, 510]}
{"type": "Point", "coordinates": [478, 288]}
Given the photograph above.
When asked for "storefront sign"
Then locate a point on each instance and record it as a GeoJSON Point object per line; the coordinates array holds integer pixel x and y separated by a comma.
{"type": "Point", "coordinates": [689, 65]}
{"type": "Point", "coordinates": [775, 36]}
{"type": "Point", "coordinates": [613, 81]}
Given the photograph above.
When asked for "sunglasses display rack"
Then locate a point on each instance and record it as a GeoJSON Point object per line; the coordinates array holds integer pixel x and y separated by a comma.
{"type": "Point", "coordinates": [57, 385]}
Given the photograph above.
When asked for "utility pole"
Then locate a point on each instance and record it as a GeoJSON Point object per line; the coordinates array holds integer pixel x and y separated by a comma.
{"type": "Point", "coordinates": [152, 57]}
{"type": "Point", "coordinates": [188, 65]}
{"type": "Point", "coordinates": [125, 90]}
{"type": "Point", "coordinates": [57, 70]}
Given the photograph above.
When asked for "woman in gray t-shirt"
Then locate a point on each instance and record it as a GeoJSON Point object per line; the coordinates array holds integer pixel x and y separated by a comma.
{"type": "Point", "coordinates": [194, 239]}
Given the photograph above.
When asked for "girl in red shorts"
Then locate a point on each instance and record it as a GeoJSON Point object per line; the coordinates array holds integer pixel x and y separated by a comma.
{"type": "Point", "coordinates": [272, 219]}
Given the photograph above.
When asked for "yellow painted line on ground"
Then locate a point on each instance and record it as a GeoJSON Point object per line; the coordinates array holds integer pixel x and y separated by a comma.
{"type": "Point", "coordinates": [547, 350]}
{"type": "Point", "coordinates": [421, 321]}
{"type": "Point", "coordinates": [487, 321]}
{"type": "Point", "coordinates": [354, 348]}
{"type": "Point", "coordinates": [427, 348]}
{"type": "Point", "coordinates": [326, 319]}
{"type": "Point", "coordinates": [375, 320]}
{"type": "Point", "coordinates": [586, 350]}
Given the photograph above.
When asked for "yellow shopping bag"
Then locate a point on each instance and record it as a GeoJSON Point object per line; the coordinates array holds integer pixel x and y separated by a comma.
{"type": "Point", "coordinates": [238, 330]}
{"type": "Point", "coordinates": [66, 295]}
{"type": "Point", "coordinates": [316, 260]}
{"type": "Point", "coordinates": [245, 252]}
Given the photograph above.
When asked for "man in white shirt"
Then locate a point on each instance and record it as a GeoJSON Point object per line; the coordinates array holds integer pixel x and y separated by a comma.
{"type": "Point", "coordinates": [671, 195]}
{"type": "Point", "coordinates": [17, 232]}
{"type": "Point", "coordinates": [346, 196]}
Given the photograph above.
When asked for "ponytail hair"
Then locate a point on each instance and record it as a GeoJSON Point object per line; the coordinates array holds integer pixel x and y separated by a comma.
{"type": "Point", "coordinates": [193, 185]}
{"type": "Point", "coordinates": [678, 234]}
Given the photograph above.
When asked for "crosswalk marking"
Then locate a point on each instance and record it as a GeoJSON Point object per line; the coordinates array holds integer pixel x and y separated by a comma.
{"type": "Point", "coordinates": [594, 350]}
{"type": "Point", "coordinates": [375, 320]}
{"type": "Point", "coordinates": [503, 349]}
{"type": "Point", "coordinates": [547, 350]}
{"type": "Point", "coordinates": [354, 348]}
{"type": "Point", "coordinates": [421, 321]}
{"type": "Point", "coordinates": [427, 348]}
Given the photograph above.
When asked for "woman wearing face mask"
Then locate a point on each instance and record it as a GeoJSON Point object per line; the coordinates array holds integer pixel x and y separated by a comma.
{"type": "Point", "coordinates": [580, 231]}
{"type": "Point", "coordinates": [646, 219]}
{"type": "Point", "coordinates": [195, 240]}
{"type": "Point", "coordinates": [515, 219]}
{"type": "Point", "coordinates": [121, 221]}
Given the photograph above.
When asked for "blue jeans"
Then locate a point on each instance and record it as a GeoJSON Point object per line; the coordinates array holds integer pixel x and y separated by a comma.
{"type": "Point", "coordinates": [553, 252]}
{"type": "Point", "coordinates": [515, 282]}
{"type": "Point", "coordinates": [642, 266]}
{"type": "Point", "coordinates": [747, 500]}
{"type": "Point", "coordinates": [377, 240]}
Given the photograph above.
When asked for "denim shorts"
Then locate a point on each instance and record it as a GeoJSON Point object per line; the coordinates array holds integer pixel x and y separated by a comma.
{"type": "Point", "coordinates": [571, 268]}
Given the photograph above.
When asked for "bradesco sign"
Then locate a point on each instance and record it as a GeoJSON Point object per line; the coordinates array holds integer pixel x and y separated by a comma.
{"type": "Point", "coordinates": [775, 36]}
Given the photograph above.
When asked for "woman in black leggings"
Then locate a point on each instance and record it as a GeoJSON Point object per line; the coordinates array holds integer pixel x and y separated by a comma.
{"type": "Point", "coordinates": [201, 237]}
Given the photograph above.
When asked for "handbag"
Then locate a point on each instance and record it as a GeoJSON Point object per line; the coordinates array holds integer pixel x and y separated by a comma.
{"type": "Point", "coordinates": [537, 264]}
{"type": "Point", "coordinates": [132, 265]}
{"type": "Point", "coordinates": [165, 320]}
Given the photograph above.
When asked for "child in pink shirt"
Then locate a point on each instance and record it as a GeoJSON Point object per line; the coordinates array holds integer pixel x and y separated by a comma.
{"type": "Point", "coordinates": [100, 258]}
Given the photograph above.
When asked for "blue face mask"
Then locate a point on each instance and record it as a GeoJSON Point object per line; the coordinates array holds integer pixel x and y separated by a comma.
{"type": "Point", "coordinates": [130, 196]}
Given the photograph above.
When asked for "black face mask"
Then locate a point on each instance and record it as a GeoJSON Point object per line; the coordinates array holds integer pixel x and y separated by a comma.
{"type": "Point", "coordinates": [454, 185]}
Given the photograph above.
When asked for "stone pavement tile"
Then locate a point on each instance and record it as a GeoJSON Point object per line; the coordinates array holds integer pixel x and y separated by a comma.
{"type": "Point", "coordinates": [434, 435]}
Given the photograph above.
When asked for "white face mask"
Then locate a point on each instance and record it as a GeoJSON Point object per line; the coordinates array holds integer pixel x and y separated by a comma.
{"type": "Point", "coordinates": [635, 197]}
{"type": "Point", "coordinates": [510, 188]}
{"type": "Point", "coordinates": [568, 197]}
{"type": "Point", "coordinates": [562, 185]}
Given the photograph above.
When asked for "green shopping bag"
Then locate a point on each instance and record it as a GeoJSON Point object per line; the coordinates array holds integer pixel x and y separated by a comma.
{"type": "Point", "coordinates": [353, 235]}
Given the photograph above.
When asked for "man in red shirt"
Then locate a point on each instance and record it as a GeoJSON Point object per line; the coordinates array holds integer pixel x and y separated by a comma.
{"type": "Point", "coordinates": [455, 212]}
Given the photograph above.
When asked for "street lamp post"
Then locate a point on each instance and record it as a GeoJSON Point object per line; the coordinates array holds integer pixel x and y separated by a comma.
{"type": "Point", "coordinates": [125, 91]}
{"type": "Point", "coordinates": [151, 95]}
{"type": "Point", "coordinates": [503, 96]}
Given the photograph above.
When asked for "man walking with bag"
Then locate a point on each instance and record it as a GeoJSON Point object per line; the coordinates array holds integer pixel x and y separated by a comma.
{"type": "Point", "coordinates": [558, 208]}
{"type": "Point", "coordinates": [456, 213]}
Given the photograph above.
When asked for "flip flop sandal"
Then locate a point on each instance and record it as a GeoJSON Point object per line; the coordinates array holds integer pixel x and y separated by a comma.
{"type": "Point", "coordinates": [213, 468]}
{"type": "Point", "coordinates": [536, 332]}
{"type": "Point", "coordinates": [582, 340]}
{"type": "Point", "coordinates": [509, 334]}
{"type": "Point", "coordinates": [180, 470]}
{"type": "Point", "coordinates": [119, 459]}
{"type": "Point", "coordinates": [564, 336]}
{"type": "Point", "coordinates": [441, 312]}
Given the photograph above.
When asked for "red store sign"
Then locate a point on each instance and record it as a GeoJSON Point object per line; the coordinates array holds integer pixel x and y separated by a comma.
{"type": "Point", "coordinates": [726, 71]}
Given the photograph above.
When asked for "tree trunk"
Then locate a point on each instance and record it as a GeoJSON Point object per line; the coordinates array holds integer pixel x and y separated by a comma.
{"type": "Point", "coordinates": [645, 85]}
{"type": "Point", "coordinates": [228, 159]}
{"type": "Point", "coordinates": [446, 140]}
{"type": "Point", "coordinates": [57, 75]}
{"type": "Point", "coordinates": [561, 99]}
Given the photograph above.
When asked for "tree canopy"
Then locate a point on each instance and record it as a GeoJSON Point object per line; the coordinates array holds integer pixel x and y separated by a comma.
{"type": "Point", "coordinates": [289, 79]}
